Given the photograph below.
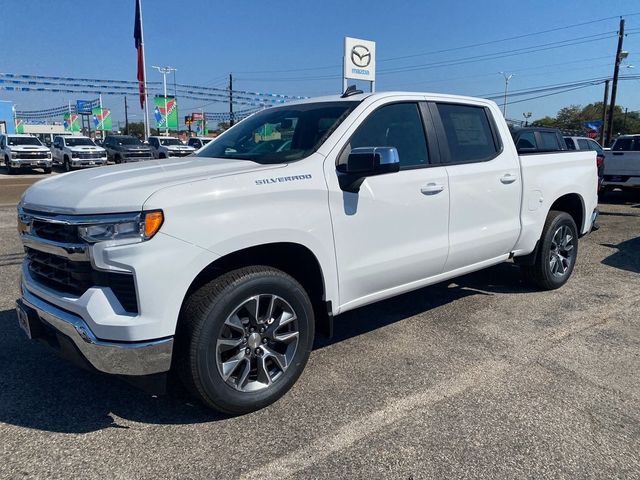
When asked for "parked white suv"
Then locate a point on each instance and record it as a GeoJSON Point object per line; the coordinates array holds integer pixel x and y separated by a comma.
{"type": "Point", "coordinates": [225, 264]}
{"type": "Point", "coordinates": [77, 152]}
{"type": "Point", "coordinates": [22, 152]}
{"type": "Point", "coordinates": [165, 147]}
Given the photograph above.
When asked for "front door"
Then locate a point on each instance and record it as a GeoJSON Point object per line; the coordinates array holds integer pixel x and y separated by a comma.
{"type": "Point", "coordinates": [394, 231]}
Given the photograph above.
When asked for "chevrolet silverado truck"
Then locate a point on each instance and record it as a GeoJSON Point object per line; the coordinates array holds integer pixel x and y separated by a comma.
{"type": "Point", "coordinates": [22, 152]}
{"type": "Point", "coordinates": [166, 147]}
{"type": "Point", "coordinates": [622, 164]}
{"type": "Point", "coordinates": [222, 267]}
{"type": "Point", "coordinates": [77, 152]}
{"type": "Point", "coordinates": [125, 149]}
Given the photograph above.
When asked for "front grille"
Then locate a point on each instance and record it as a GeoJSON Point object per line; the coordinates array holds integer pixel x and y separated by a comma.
{"type": "Point", "coordinates": [32, 155]}
{"type": "Point", "coordinates": [89, 155]}
{"type": "Point", "coordinates": [180, 153]}
{"type": "Point", "coordinates": [138, 154]}
{"type": "Point", "coordinates": [58, 232]}
{"type": "Point", "coordinates": [75, 278]}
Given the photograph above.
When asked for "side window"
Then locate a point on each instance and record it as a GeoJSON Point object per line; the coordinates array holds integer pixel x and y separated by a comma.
{"type": "Point", "coordinates": [583, 144]}
{"type": "Point", "coordinates": [398, 125]}
{"type": "Point", "coordinates": [527, 141]}
{"type": "Point", "coordinates": [596, 147]}
{"type": "Point", "coordinates": [549, 141]}
{"type": "Point", "coordinates": [623, 144]}
{"type": "Point", "coordinates": [636, 144]}
{"type": "Point", "coordinates": [468, 132]}
{"type": "Point", "coordinates": [570, 143]}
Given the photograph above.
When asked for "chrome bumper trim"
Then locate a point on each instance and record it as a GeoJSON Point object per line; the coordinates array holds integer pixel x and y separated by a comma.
{"type": "Point", "coordinates": [116, 358]}
{"type": "Point", "coordinates": [72, 251]}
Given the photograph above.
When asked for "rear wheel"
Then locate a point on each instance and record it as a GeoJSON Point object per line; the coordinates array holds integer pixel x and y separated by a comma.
{"type": "Point", "coordinates": [244, 339]}
{"type": "Point", "coordinates": [557, 252]}
{"type": "Point", "coordinates": [67, 164]}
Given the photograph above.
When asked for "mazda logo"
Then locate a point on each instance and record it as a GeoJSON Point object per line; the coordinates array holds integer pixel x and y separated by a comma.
{"type": "Point", "coordinates": [360, 56]}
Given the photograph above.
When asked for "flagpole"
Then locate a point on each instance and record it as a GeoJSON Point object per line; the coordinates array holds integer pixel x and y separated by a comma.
{"type": "Point", "coordinates": [144, 72]}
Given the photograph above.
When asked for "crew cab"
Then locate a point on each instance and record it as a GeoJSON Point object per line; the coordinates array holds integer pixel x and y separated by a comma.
{"type": "Point", "coordinates": [124, 149]}
{"type": "Point", "coordinates": [165, 147]}
{"type": "Point", "coordinates": [222, 267]}
{"type": "Point", "coordinates": [77, 152]}
{"type": "Point", "coordinates": [622, 163]}
{"type": "Point", "coordinates": [24, 152]}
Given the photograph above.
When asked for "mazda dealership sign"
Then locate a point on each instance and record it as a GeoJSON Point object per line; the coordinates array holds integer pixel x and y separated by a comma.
{"type": "Point", "coordinates": [359, 59]}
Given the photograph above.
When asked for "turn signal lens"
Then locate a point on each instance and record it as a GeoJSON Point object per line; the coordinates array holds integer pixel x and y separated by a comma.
{"type": "Point", "coordinates": [152, 223]}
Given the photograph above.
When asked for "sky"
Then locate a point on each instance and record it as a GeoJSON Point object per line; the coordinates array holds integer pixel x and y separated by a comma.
{"type": "Point", "coordinates": [295, 47]}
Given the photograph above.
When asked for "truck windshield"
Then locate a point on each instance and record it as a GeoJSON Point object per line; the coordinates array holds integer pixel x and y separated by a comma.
{"type": "Point", "coordinates": [128, 141]}
{"type": "Point", "coordinates": [170, 141]}
{"type": "Point", "coordinates": [281, 134]}
{"type": "Point", "coordinates": [76, 142]}
{"type": "Point", "coordinates": [24, 141]}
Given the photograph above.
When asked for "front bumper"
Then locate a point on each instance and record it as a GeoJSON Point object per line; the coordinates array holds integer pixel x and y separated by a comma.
{"type": "Point", "coordinates": [30, 163]}
{"type": "Point", "coordinates": [88, 163]}
{"type": "Point", "coordinates": [59, 328]}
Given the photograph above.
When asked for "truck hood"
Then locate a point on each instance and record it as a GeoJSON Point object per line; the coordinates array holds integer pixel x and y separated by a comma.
{"type": "Point", "coordinates": [27, 148]}
{"type": "Point", "coordinates": [125, 187]}
{"type": "Point", "coordinates": [86, 148]}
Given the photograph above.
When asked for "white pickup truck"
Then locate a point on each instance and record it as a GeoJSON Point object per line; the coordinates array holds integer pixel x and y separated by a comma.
{"type": "Point", "coordinates": [21, 152]}
{"type": "Point", "coordinates": [77, 152]}
{"type": "Point", "coordinates": [223, 266]}
{"type": "Point", "coordinates": [622, 163]}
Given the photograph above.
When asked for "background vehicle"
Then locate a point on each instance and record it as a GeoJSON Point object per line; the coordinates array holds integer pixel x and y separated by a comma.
{"type": "Point", "coordinates": [21, 152]}
{"type": "Point", "coordinates": [165, 147]}
{"type": "Point", "coordinates": [77, 152]}
{"type": "Point", "coordinates": [538, 139]}
{"type": "Point", "coordinates": [124, 148]}
{"type": "Point", "coordinates": [198, 142]}
{"type": "Point", "coordinates": [586, 143]}
{"type": "Point", "coordinates": [226, 264]}
{"type": "Point", "coordinates": [622, 163]}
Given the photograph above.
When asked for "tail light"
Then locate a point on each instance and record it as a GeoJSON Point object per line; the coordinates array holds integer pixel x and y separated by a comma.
{"type": "Point", "coordinates": [599, 160]}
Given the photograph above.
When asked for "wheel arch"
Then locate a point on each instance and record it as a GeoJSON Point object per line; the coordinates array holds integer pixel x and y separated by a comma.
{"type": "Point", "coordinates": [294, 259]}
{"type": "Point", "coordinates": [573, 204]}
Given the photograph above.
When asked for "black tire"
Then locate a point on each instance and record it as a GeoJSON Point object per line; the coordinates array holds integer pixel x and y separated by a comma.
{"type": "Point", "coordinates": [47, 170]}
{"type": "Point", "coordinates": [202, 323]}
{"type": "Point", "coordinates": [541, 272]}
{"type": "Point", "coordinates": [117, 159]}
{"type": "Point", "coordinates": [7, 163]}
{"type": "Point", "coordinates": [67, 164]}
{"type": "Point", "coordinates": [162, 155]}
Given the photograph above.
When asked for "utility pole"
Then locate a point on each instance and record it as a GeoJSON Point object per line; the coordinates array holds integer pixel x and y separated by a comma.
{"type": "Point", "coordinates": [165, 71]}
{"type": "Point", "coordinates": [175, 97]}
{"type": "Point", "coordinates": [507, 77]}
{"type": "Point", "coordinates": [614, 87]}
{"type": "Point", "coordinates": [230, 100]}
{"type": "Point", "coordinates": [126, 117]}
{"type": "Point", "coordinates": [603, 128]}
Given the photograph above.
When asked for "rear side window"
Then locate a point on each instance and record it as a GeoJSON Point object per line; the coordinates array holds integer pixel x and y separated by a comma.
{"type": "Point", "coordinates": [527, 141]}
{"type": "Point", "coordinates": [623, 144]}
{"type": "Point", "coordinates": [596, 147]}
{"type": "Point", "coordinates": [398, 125]}
{"type": "Point", "coordinates": [549, 141]}
{"type": "Point", "coordinates": [570, 144]}
{"type": "Point", "coordinates": [583, 144]}
{"type": "Point", "coordinates": [468, 133]}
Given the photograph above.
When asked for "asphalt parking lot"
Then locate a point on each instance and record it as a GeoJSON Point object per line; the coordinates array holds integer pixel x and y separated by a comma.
{"type": "Point", "coordinates": [482, 377]}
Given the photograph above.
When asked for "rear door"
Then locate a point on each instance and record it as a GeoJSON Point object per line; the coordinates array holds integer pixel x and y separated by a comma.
{"type": "Point", "coordinates": [393, 233]}
{"type": "Point", "coordinates": [624, 159]}
{"type": "Point", "coordinates": [484, 184]}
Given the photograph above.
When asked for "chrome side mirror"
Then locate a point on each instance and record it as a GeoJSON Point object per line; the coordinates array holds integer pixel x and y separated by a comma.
{"type": "Point", "coordinates": [366, 162]}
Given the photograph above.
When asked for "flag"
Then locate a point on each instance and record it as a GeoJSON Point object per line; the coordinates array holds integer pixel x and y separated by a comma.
{"type": "Point", "coordinates": [139, 42]}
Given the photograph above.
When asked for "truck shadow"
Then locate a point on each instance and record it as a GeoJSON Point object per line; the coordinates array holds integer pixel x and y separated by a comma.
{"type": "Point", "coordinates": [619, 197]}
{"type": "Point", "coordinates": [627, 256]}
{"type": "Point", "coordinates": [40, 391]}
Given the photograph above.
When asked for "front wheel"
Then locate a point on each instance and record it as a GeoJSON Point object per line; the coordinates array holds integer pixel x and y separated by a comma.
{"type": "Point", "coordinates": [244, 339]}
{"type": "Point", "coordinates": [557, 252]}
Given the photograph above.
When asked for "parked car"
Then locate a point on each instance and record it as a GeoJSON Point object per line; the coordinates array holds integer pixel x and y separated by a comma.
{"type": "Point", "coordinates": [198, 142]}
{"type": "Point", "coordinates": [226, 265]}
{"type": "Point", "coordinates": [124, 148]}
{"type": "Point", "coordinates": [586, 143]}
{"type": "Point", "coordinates": [538, 139]}
{"type": "Point", "coordinates": [622, 163]}
{"type": "Point", "coordinates": [24, 152]}
{"type": "Point", "coordinates": [166, 147]}
{"type": "Point", "coordinates": [77, 152]}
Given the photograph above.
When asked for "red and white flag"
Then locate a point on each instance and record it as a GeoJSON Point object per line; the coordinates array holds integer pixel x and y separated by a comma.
{"type": "Point", "coordinates": [137, 35]}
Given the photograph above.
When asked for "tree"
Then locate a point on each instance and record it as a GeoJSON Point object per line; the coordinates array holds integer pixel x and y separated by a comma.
{"type": "Point", "coordinates": [222, 126]}
{"type": "Point", "coordinates": [544, 122]}
{"type": "Point", "coordinates": [136, 129]}
{"type": "Point", "coordinates": [570, 118]}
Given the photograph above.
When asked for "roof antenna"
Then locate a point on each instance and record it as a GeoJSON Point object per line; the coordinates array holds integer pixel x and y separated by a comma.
{"type": "Point", "coordinates": [351, 90]}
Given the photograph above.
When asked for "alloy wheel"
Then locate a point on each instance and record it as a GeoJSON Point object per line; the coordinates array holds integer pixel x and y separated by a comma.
{"type": "Point", "coordinates": [561, 255]}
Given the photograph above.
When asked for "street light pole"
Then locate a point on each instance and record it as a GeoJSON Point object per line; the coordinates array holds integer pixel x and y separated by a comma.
{"type": "Point", "coordinates": [527, 116]}
{"type": "Point", "coordinates": [507, 77]}
{"type": "Point", "coordinates": [165, 71]}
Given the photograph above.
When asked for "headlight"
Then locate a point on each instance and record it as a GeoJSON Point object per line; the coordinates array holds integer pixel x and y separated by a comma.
{"type": "Point", "coordinates": [49, 155]}
{"type": "Point", "coordinates": [74, 155]}
{"type": "Point", "coordinates": [138, 229]}
{"type": "Point", "coordinates": [14, 154]}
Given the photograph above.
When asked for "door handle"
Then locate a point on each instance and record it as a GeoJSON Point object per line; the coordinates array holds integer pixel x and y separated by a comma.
{"type": "Point", "coordinates": [508, 178]}
{"type": "Point", "coordinates": [432, 188]}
